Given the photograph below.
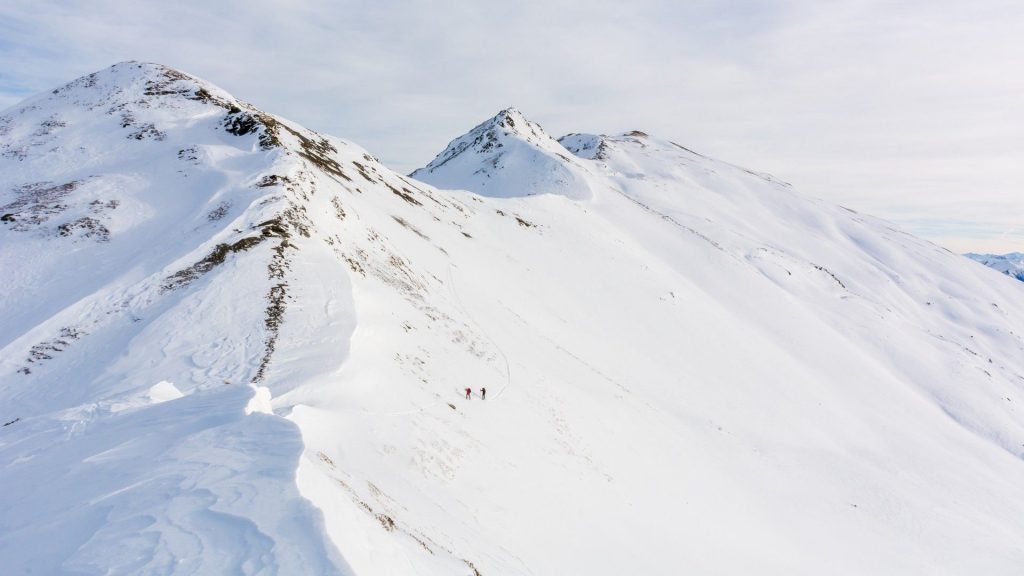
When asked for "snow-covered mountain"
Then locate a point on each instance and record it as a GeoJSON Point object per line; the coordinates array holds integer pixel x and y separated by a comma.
{"type": "Point", "coordinates": [1011, 264]}
{"type": "Point", "coordinates": [507, 156]}
{"type": "Point", "coordinates": [234, 345]}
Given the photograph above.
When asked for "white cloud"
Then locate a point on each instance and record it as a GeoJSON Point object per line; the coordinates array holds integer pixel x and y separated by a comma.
{"type": "Point", "coordinates": [907, 110]}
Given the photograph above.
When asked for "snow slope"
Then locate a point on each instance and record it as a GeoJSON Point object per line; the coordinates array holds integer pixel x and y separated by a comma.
{"type": "Point", "coordinates": [1011, 264]}
{"type": "Point", "coordinates": [234, 345]}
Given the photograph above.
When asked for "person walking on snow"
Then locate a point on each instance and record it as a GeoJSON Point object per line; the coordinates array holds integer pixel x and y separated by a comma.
{"type": "Point", "coordinates": [468, 392]}
{"type": "Point", "coordinates": [483, 393]}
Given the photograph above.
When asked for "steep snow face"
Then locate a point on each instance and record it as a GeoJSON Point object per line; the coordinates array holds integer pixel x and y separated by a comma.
{"type": "Point", "coordinates": [507, 156]}
{"type": "Point", "coordinates": [1011, 264]}
{"type": "Point", "coordinates": [260, 366]}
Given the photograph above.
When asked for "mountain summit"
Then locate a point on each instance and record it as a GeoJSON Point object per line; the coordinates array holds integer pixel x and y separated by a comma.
{"type": "Point", "coordinates": [232, 344]}
{"type": "Point", "coordinates": [507, 156]}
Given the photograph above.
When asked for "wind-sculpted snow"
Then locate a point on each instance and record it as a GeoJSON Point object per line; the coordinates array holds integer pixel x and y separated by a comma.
{"type": "Point", "coordinates": [234, 345]}
{"type": "Point", "coordinates": [191, 485]}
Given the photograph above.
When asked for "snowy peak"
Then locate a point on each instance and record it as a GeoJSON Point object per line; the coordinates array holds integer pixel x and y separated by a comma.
{"type": "Point", "coordinates": [512, 121]}
{"type": "Point", "coordinates": [492, 134]}
{"type": "Point", "coordinates": [139, 84]}
{"type": "Point", "coordinates": [507, 156]}
{"type": "Point", "coordinates": [148, 103]}
{"type": "Point", "coordinates": [638, 155]}
{"type": "Point", "coordinates": [595, 147]}
{"type": "Point", "coordinates": [602, 147]}
{"type": "Point", "coordinates": [588, 146]}
{"type": "Point", "coordinates": [142, 102]}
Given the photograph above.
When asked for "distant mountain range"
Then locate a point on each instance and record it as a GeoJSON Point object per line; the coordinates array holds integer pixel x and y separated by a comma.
{"type": "Point", "coordinates": [1011, 264]}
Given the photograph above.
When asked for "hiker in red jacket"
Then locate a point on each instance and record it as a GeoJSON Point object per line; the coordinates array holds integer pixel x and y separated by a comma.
{"type": "Point", "coordinates": [468, 392]}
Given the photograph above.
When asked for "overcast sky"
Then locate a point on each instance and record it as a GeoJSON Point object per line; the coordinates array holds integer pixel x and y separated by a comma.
{"type": "Point", "coordinates": [913, 111]}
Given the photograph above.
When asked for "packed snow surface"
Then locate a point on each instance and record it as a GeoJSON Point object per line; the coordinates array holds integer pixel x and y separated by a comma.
{"type": "Point", "coordinates": [234, 345]}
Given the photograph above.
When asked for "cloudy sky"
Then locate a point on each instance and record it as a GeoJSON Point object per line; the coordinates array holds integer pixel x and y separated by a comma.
{"type": "Point", "coordinates": [910, 110]}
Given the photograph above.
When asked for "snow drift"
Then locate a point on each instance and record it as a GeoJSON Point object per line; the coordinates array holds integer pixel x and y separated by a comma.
{"type": "Point", "coordinates": [234, 345]}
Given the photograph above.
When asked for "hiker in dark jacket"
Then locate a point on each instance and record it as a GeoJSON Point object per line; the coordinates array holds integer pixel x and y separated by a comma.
{"type": "Point", "coordinates": [483, 393]}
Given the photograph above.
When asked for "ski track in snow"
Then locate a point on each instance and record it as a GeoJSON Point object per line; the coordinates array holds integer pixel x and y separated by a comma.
{"type": "Point", "coordinates": [462, 307]}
